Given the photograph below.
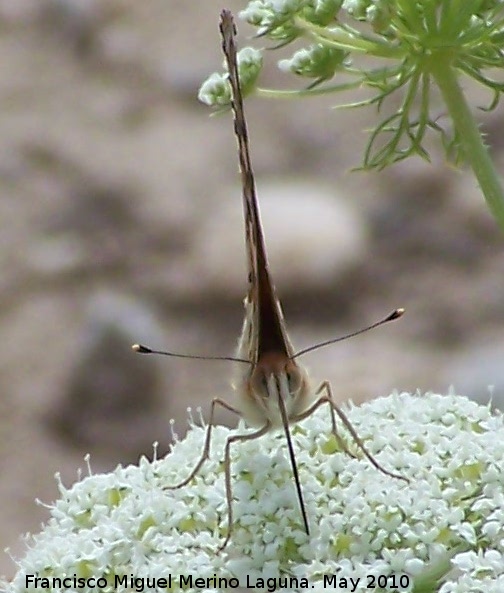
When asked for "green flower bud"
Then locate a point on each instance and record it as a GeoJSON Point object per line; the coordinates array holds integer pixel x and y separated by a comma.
{"type": "Point", "coordinates": [321, 12]}
{"type": "Point", "coordinates": [215, 90]}
{"type": "Point", "coordinates": [274, 18]}
{"type": "Point", "coordinates": [250, 63]}
{"type": "Point", "coordinates": [317, 61]}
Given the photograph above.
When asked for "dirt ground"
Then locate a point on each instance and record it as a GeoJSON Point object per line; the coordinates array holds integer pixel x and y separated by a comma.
{"type": "Point", "coordinates": [121, 222]}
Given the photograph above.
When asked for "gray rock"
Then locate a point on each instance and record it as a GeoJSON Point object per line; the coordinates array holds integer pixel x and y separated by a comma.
{"type": "Point", "coordinates": [313, 234]}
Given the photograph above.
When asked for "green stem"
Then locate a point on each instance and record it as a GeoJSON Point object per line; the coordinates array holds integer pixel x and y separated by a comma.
{"type": "Point", "coordinates": [310, 92]}
{"type": "Point", "coordinates": [468, 133]}
{"type": "Point", "coordinates": [341, 39]}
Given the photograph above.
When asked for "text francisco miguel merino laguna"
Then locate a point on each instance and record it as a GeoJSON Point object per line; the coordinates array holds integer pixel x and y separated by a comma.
{"type": "Point", "coordinates": [170, 581]}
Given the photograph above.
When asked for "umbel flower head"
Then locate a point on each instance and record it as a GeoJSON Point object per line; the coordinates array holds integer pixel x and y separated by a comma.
{"type": "Point", "coordinates": [443, 532]}
{"type": "Point", "coordinates": [409, 46]}
{"type": "Point", "coordinates": [408, 58]}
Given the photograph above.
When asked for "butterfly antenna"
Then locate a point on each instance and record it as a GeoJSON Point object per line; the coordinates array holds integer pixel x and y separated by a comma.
{"type": "Point", "coordinates": [391, 317]}
{"type": "Point", "coordinates": [141, 349]}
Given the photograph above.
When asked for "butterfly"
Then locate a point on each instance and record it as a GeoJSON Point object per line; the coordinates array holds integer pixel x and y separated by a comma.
{"type": "Point", "coordinates": [273, 389]}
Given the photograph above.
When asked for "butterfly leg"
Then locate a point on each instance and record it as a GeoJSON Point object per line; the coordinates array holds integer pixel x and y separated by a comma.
{"type": "Point", "coordinates": [332, 407]}
{"type": "Point", "coordinates": [227, 473]}
{"type": "Point", "coordinates": [206, 448]}
{"type": "Point", "coordinates": [327, 397]}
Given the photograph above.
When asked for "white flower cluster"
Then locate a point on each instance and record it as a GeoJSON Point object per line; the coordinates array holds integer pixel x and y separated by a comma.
{"type": "Point", "coordinates": [364, 524]}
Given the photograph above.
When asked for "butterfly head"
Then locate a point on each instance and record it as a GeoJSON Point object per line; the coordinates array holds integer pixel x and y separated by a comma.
{"type": "Point", "coordinates": [274, 376]}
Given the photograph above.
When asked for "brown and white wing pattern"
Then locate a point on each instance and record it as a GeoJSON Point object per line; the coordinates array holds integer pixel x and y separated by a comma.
{"type": "Point", "coordinates": [267, 332]}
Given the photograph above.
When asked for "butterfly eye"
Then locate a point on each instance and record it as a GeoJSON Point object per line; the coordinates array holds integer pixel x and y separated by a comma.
{"type": "Point", "coordinates": [293, 381]}
{"type": "Point", "coordinates": [264, 384]}
{"type": "Point", "coordinates": [259, 383]}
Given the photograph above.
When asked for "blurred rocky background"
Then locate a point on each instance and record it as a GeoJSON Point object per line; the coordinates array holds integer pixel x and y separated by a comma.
{"type": "Point", "coordinates": [121, 222]}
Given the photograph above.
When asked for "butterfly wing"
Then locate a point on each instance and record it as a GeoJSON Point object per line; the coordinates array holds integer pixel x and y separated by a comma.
{"type": "Point", "coordinates": [265, 331]}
